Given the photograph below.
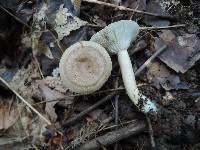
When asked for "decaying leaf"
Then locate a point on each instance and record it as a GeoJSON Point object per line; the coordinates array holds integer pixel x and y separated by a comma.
{"type": "Point", "coordinates": [160, 76]}
{"type": "Point", "coordinates": [9, 113]}
{"type": "Point", "coordinates": [182, 51]}
{"type": "Point", "coordinates": [22, 78]}
{"type": "Point", "coordinates": [38, 46]}
{"type": "Point", "coordinates": [58, 18]}
{"type": "Point", "coordinates": [72, 133]}
{"type": "Point", "coordinates": [32, 124]}
{"type": "Point", "coordinates": [66, 22]}
{"type": "Point", "coordinates": [135, 4]}
{"type": "Point", "coordinates": [56, 84]}
{"type": "Point", "coordinates": [39, 18]}
{"type": "Point", "coordinates": [57, 140]}
{"type": "Point", "coordinates": [10, 140]}
{"type": "Point", "coordinates": [95, 114]}
{"type": "Point", "coordinates": [34, 128]}
{"type": "Point", "coordinates": [52, 97]}
{"type": "Point", "coordinates": [155, 7]}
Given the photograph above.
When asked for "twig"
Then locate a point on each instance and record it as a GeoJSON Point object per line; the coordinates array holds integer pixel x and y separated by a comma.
{"type": "Point", "coordinates": [110, 90]}
{"type": "Point", "coordinates": [57, 41]}
{"type": "Point", "coordinates": [38, 65]}
{"type": "Point", "coordinates": [163, 28]}
{"type": "Point", "coordinates": [11, 140]}
{"type": "Point", "coordinates": [114, 126]}
{"type": "Point", "coordinates": [21, 98]}
{"type": "Point", "coordinates": [150, 60]}
{"type": "Point", "coordinates": [75, 95]}
{"type": "Point", "coordinates": [28, 26]}
{"type": "Point", "coordinates": [116, 110]}
{"type": "Point", "coordinates": [128, 9]}
{"type": "Point", "coordinates": [83, 113]}
{"type": "Point", "coordinates": [153, 145]}
{"type": "Point", "coordinates": [114, 136]}
{"type": "Point", "coordinates": [197, 100]}
{"type": "Point", "coordinates": [14, 16]}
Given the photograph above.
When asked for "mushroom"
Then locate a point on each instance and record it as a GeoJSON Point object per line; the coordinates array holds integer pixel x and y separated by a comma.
{"type": "Point", "coordinates": [116, 38]}
{"type": "Point", "coordinates": [84, 67]}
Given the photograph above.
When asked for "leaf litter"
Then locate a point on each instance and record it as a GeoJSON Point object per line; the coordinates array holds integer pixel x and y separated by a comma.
{"type": "Point", "coordinates": [55, 27]}
{"type": "Point", "coordinates": [182, 52]}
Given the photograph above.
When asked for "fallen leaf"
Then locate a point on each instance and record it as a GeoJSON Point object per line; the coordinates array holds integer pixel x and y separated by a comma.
{"type": "Point", "coordinates": [72, 133]}
{"type": "Point", "coordinates": [135, 4]}
{"type": "Point", "coordinates": [66, 22]}
{"type": "Point", "coordinates": [34, 128]}
{"type": "Point", "coordinates": [39, 47]}
{"type": "Point", "coordinates": [52, 97]}
{"type": "Point", "coordinates": [56, 84]}
{"type": "Point", "coordinates": [159, 76]}
{"type": "Point", "coordinates": [94, 115]}
{"type": "Point", "coordinates": [182, 52]}
{"type": "Point", "coordinates": [155, 7]}
{"type": "Point", "coordinates": [9, 113]}
{"type": "Point", "coordinates": [57, 140]}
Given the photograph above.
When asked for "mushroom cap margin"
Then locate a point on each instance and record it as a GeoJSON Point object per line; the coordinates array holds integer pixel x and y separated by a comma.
{"type": "Point", "coordinates": [74, 86]}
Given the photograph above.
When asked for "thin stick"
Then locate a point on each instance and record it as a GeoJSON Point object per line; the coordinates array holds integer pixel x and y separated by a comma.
{"type": "Point", "coordinates": [83, 113]}
{"type": "Point", "coordinates": [21, 21]}
{"type": "Point", "coordinates": [57, 41]}
{"type": "Point", "coordinates": [14, 16]}
{"type": "Point", "coordinates": [114, 126]}
{"type": "Point", "coordinates": [153, 145]}
{"type": "Point", "coordinates": [100, 92]}
{"type": "Point", "coordinates": [116, 110]}
{"type": "Point", "coordinates": [163, 28]}
{"type": "Point", "coordinates": [21, 98]}
{"type": "Point", "coordinates": [150, 60]}
{"type": "Point", "coordinates": [114, 136]}
{"type": "Point", "coordinates": [38, 65]}
{"type": "Point", "coordinates": [128, 9]}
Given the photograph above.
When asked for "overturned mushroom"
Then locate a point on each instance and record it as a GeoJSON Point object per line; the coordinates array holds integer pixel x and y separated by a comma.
{"type": "Point", "coordinates": [85, 67]}
{"type": "Point", "coordinates": [116, 38]}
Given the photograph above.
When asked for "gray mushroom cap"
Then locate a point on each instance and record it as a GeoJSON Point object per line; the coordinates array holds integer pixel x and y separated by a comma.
{"type": "Point", "coordinates": [117, 36]}
{"type": "Point", "coordinates": [84, 67]}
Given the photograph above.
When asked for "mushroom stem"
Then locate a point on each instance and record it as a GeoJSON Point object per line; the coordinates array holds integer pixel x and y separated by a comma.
{"type": "Point", "coordinates": [128, 76]}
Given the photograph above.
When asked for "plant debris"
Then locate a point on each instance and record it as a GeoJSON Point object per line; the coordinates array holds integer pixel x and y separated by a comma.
{"type": "Point", "coordinates": [38, 112]}
{"type": "Point", "coordinates": [183, 51]}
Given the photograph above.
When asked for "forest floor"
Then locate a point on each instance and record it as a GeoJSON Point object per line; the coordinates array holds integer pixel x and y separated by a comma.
{"type": "Point", "coordinates": [38, 112]}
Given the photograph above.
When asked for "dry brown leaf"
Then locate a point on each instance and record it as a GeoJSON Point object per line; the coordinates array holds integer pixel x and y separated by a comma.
{"type": "Point", "coordinates": [9, 113]}
{"type": "Point", "coordinates": [39, 47]}
{"type": "Point", "coordinates": [159, 75]}
{"type": "Point", "coordinates": [155, 7]}
{"type": "Point", "coordinates": [94, 115]}
{"type": "Point", "coordinates": [52, 97]}
{"type": "Point", "coordinates": [182, 51]}
{"type": "Point", "coordinates": [57, 140]}
{"type": "Point", "coordinates": [72, 133]}
{"type": "Point", "coordinates": [56, 84]}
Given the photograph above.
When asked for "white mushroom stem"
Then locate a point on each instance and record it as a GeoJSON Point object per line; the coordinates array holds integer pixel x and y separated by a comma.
{"type": "Point", "coordinates": [128, 77]}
